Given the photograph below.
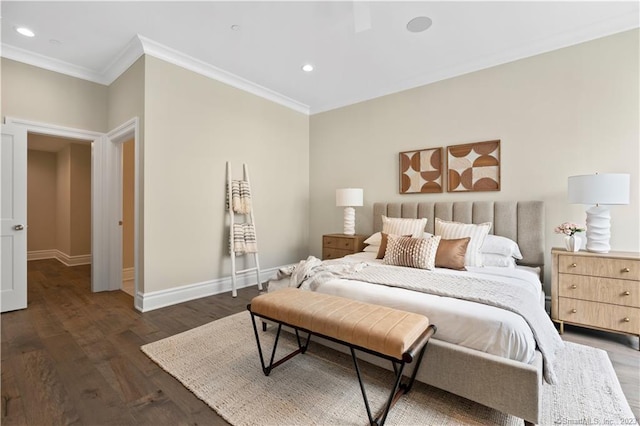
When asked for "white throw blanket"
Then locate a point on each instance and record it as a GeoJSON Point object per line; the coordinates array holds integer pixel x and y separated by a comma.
{"type": "Point", "coordinates": [312, 272]}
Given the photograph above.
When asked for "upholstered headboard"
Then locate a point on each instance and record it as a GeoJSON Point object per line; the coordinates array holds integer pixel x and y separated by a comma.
{"type": "Point", "coordinates": [522, 221]}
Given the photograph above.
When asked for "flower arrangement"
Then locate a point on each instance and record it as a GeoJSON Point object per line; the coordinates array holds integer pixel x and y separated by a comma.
{"type": "Point", "coordinates": [568, 228]}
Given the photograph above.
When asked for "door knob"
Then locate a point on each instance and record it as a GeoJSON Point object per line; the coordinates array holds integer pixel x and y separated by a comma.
{"type": "Point", "coordinates": [18, 227]}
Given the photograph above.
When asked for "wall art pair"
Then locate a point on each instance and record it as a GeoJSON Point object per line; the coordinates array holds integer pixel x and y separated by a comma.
{"type": "Point", "coordinates": [471, 167]}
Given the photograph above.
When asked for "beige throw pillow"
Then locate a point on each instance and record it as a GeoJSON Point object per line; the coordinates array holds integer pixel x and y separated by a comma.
{"type": "Point", "coordinates": [451, 253]}
{"type": "Point", "coordinates": [401, 226]}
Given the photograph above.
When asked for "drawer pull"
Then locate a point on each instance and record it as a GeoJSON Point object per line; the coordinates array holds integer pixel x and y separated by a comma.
{"type": "Point", "coordinates": [573, 311]}
{"type": "Point", "coordinates": [574, 286]}
{"type": "Point", "coordinates": [627, 319]}
{"type": "Point", "coordinates": [626, 270]}
{"type": "Point", "coordinates": [626, 293]}
{"type": "Point", "coordinates": [574, 265]}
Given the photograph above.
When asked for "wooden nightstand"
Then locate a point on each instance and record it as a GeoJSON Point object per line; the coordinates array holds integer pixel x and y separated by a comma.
{"type": "Point", "coordinates": [596, 290]}
{"type": "Point", "coordinates": [338, 245]}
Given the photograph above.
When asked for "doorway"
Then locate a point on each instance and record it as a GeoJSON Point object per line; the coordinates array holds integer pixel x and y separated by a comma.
{"type": "Point", "coordinates": [128, 216]}
{"type": "Point", "coordinates": [106, 199]}
{"type": "Point", "coordinates": [59, 199]}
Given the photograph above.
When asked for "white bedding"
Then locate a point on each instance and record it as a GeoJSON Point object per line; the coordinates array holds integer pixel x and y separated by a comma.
{"type": "Point", "coordinates": [473, 325]}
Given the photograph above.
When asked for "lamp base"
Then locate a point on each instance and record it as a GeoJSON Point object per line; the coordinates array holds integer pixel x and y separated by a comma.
{"type": "Point", "coordinates": [598, 229]}
{"type": "Point", "coordinates": [349, 221]}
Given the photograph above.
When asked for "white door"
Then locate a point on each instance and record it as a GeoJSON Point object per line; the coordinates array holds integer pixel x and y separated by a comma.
{"type": "Point", "coordinates": [13, 249]}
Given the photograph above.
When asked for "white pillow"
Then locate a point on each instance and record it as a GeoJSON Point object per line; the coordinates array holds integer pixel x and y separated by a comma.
{"type": "Point", "coordinates": [401, 226]}
{"type": "Point", "coordinates": [371, 249]}
{"type": "Point", "coordinates": [374, 240]}
{"type": "Point", "coordinates": [477, 233]}
{"type": "Point", "coordinates": [496, 244]}
{"type": "Point", "coordinates": [492, 259]}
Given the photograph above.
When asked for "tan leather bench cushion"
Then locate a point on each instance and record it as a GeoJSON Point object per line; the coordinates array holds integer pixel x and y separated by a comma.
{"type": "Point", "coordinates": [378, 328]}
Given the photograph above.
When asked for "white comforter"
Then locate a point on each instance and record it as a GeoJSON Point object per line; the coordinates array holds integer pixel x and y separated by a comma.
{"type": "Point", "coordinates": [473, 325]}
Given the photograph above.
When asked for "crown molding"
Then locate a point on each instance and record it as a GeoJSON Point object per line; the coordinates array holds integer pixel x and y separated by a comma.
{"type": "Point", "coordinates": [138, 46]}
{"type": "Point", "coordinates": [180, 59]}
{"type": "Point", "coordinates": [123, 60]}
{"type": "Point", "coordinates": [51, 64]}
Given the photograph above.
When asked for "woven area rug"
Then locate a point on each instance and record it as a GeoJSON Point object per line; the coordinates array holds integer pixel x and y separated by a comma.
{"type": "Point", "coordinates": [219, 363]}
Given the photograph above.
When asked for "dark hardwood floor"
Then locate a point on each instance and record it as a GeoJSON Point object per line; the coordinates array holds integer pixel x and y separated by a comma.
{"type": "Point", "coordinates": [73, 357]}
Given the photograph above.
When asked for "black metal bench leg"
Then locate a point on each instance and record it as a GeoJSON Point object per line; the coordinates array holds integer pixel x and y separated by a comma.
{"type": "Point", "coordinates": [267, 369]}
{"type": "Point", "coordinates": [395, 393]}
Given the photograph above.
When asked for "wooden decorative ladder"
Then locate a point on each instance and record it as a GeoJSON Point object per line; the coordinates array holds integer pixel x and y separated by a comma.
{"type": "Point", "coordinates": [248, 219]}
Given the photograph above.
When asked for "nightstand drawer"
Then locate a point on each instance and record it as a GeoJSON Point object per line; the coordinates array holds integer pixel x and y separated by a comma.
{"type": "Point", "coordinates": [606, 290]}
{"type": "Point", "coordinates": [333, 253]}
{"type": "Point", "coordinates": [339, 243]}
{"type": "Point", "coordinates": [600, 315]}
{"type": "Point", "coordinates": [626, 269]}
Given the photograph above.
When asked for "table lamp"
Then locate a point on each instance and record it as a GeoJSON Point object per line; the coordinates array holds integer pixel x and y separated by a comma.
{"type": "Point", "coordinates": [349, 198]}
{"type": "Point", "coordinates": [599, 191]}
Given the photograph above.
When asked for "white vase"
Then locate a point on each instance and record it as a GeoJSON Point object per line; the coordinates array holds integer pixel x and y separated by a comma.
{"type": "Point", "coordinates": [573, 242]}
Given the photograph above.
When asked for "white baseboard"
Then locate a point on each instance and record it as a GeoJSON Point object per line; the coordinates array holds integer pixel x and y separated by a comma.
{"type": "Point", "coordinates": [42, 254]}
{"type": "Point", "coordinates": [128, 274]}
{"type": "Point", "coordinates": [146, 302]}
{"type": "Point", "coordinates": [65, 259]}
{"type": "Point", "coordinates": [83, 259]}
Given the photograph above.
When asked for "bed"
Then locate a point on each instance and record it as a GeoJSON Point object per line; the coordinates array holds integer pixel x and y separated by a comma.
{"type": "Point", "coordinates": [483, 353]}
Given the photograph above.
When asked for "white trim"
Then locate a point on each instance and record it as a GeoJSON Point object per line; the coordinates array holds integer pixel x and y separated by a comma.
{"type": "Point", "coordinates": [82, 259]}
{"type": "Point", "coordinates": [51, 64]}
{"type": "Point", "coordinates": [180, 59]}
{"type": "Point", "coordinates": [128, 274]}
{"type": "Point", "coordinates": [67, 260]}
{"type": "Point", "coordinates": [53, 129]}
{"type": "Point", "coordinates": [146, 302]}
{"type": "Point", "coordinates": [99, 239]}
{"type": "Point", "coordinates": [123, 60]}
{"type": "Point", "coordinates": [41, 254]}
{"type": "Point", "coordinates": [116, 137]}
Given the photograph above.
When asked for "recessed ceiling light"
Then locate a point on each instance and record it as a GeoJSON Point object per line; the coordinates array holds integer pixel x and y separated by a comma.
{"type": "Point", "coordinates": [235, 27]}
{"type": "Point", "coordinates": [25, 31]}
{"type": "Point", "coordinates": [419, 24]}
{"type": "Point", "coordinates": [307, 68]}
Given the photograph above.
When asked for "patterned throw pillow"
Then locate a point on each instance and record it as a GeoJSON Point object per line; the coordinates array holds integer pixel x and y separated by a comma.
{"type": "Point", "coordinates": [411, 252]}
{"type": "Point", "coordinates": [455, 230]}
{"type": "Point", "coordinates": [400, 226]}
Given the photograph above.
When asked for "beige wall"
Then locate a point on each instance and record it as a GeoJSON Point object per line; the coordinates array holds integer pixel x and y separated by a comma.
{"type": "Point", "coordinates": [80, 201]}
{"type": "Point", "coordinates": [73, 200]}
{"type": "Point", "coordinates": [567, 112]}
{"type": "Point", "coordinates": [127, 204]}
{"type": "Point", "coordinates": [63, 204]}
{"type": "Point", "coordinates": [41, 200]}
{"type": "Point", "coordinates": [37, 94]}
{"type": "Point", "coordinates": [193, 125]}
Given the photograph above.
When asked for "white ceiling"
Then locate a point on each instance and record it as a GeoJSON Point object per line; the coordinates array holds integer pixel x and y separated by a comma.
{"type": "Point", "coordinates": [360, 50]}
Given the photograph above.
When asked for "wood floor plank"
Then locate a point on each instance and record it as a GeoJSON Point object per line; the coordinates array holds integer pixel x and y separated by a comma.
{"type": "Point", "coordinates": [73, 356]}
{"type": "Point", "coordinates": [43, 394]}
{"type": "Point", "coordinates": [12, 407]}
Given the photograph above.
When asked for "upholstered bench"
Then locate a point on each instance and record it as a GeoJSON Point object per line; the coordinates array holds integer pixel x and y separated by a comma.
{"type": "Point", "coordinates": [396, 335]}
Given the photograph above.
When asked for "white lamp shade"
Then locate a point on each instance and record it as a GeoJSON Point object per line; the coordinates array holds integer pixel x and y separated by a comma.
{"type": "Point", "coordinates": [349, 197]}
{"type": "Point", "coordinates": [606, 188]}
